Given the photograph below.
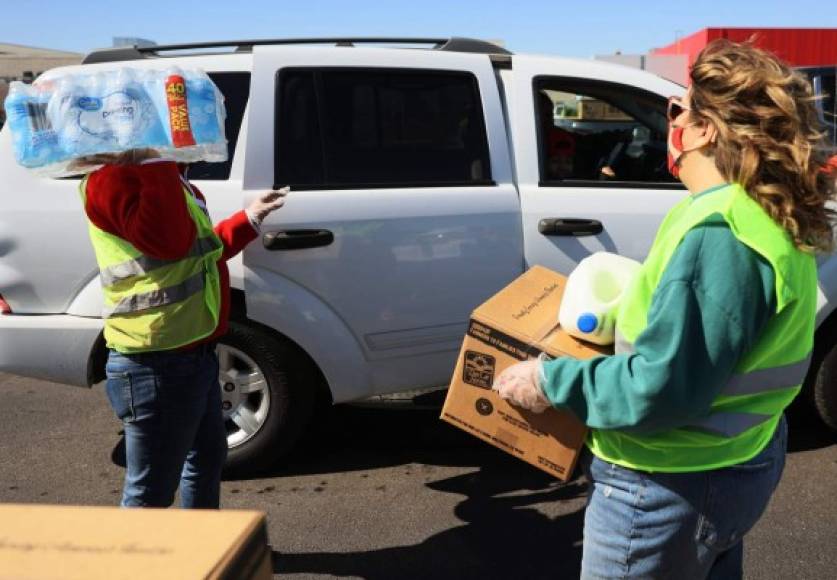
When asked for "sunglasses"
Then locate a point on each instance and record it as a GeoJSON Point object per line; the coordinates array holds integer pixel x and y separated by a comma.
{"type": "Point", "coordinates": [675, 108]}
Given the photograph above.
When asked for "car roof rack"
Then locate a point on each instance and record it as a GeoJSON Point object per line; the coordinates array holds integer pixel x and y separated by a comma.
{"type": "Point", "coordinates": [453, 44]}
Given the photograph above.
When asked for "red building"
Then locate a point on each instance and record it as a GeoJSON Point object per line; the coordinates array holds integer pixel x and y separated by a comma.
{"type": "Point", "coordinates": [812, 48]}
{"type": "Point", "coordinates": [797, 46]}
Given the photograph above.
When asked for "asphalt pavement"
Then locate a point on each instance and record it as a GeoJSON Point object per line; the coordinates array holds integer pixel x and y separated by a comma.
{"type": "Point", "coordinates": [394, 493]}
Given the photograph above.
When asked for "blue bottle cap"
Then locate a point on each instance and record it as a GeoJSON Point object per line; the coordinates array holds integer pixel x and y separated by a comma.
{"type": "Point", "coordinates": [587, 322]}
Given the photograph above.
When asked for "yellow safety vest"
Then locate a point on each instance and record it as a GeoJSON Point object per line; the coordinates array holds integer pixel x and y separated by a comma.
{"type": "Point", "coordinates": [744, 415]}
{"type": "Point", "coordinates": [153, 304]}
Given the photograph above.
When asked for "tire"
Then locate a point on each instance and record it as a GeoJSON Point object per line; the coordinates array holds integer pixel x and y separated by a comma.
{"type": "Point", "coordinates": [268, 393]}
{"type": "Point", "coordinates": [825, 387]}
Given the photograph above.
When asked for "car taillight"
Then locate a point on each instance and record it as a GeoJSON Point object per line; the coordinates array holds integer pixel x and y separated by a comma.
{"type": "Point", "coordinates": [4, 306]}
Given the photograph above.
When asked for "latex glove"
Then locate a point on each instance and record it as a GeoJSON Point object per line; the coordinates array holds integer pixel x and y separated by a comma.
{"type": "Point", "coordinates": [519, 384]}
{"type": "Point", "coordinates": [262, 206]}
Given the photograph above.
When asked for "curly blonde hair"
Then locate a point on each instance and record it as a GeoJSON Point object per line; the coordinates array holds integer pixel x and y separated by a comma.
{"type": "Point", "coordinates": [770, 139]}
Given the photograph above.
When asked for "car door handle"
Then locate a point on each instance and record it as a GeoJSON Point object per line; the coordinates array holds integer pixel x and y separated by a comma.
{"type": "Point", "coordinates": [569, 227]}
{"type": "Point", "coordinates": [296, 239]}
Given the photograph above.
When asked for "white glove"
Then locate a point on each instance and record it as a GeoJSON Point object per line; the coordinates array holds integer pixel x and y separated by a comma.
{"type": "Point", "coordinates": [262, 206]}
{"type": "Point", "coordinates": [520, 385]}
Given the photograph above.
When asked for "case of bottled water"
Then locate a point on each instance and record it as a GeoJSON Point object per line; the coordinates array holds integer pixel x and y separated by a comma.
{"type": "Point", "coordinates": [68, 117]}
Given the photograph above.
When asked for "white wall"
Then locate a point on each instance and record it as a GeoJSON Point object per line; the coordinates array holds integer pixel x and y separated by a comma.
{"type": "Point", "coordinates": [673, 67]}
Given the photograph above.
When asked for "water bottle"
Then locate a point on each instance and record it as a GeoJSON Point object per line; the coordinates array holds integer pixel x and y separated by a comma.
{"type": "Point", "coordinates": [592, 295]}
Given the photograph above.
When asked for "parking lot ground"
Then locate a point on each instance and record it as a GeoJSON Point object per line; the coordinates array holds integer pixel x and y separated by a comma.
{"type": "Point", "coordinates": [392, 492]}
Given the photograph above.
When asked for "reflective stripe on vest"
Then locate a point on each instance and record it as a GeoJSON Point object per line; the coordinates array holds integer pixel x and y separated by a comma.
{"type": "Point", "coordinates": [727, 424]}
{"type": "Point", "coordinates": [144, 264]}
{"type": "Point", "coordinates": [156, 298]}
{"type": "Point", "coordinates": [758, 381]}
{"type": "Point", "coordinates": [771, 379]}
{"type": "Point", "coordinates": [622, 345]}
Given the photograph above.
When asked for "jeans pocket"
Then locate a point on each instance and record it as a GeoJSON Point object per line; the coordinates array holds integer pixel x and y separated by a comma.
{"type": "Point", "coordinates": [118, 388]}
{"type": "Point", "coordinates": [145, 394]}
{"type": "Point", "coordinates": [133, 393]}
{"type": "Point", "coordinates": [736, 499]}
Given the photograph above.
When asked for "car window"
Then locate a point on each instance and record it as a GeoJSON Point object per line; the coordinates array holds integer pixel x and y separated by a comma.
{"type": "Point", "coordinates": [354, 128]}
{"type": "Point", "coordinates": [235, 86]}
{"type": "Point", "coordinates": [603, 132]}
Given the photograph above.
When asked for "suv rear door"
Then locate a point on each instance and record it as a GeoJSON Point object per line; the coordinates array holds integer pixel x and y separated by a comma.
{"type": "Point", "coordinates": [606, 116]}
{"type": "Point", "coordinates": [402, 215]}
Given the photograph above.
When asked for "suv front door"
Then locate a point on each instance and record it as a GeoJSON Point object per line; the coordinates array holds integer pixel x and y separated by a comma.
{"type": "Point", "coordinates": [592, 177]}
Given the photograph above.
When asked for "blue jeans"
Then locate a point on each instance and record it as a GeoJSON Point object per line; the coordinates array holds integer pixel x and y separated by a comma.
{"type": "Point", "coordinates": [676, 525]}
{"type": "Point", "coordinates": [170, 405]}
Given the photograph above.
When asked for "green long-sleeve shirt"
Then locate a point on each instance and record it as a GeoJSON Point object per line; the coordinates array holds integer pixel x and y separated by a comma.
{"type": "Point", "coordinates": [712, 302]}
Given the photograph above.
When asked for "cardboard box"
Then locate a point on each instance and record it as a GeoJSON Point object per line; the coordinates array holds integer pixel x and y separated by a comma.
{"type": "Point", "coordinates": [517, 323]}
{"type": "Point", "coordinates": [39, 541]}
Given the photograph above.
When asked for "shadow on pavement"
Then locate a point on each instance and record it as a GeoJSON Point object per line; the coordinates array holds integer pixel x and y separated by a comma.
{"type": "Point", "coordinates": [347, 438]}
{"type": "Point", "coordinates": [806, 431]}
{"type": "Point", "coordinates": [117, 456]}
{"type": "Point", "coordinates": [503, 536]}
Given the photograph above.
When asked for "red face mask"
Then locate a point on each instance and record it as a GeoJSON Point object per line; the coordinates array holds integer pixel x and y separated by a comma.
{"type": "Point", "coordinates": [676, 149]}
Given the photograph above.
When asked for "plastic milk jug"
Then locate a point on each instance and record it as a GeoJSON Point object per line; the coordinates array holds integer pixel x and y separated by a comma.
{"type": "Point", "coordinates": [592, 295]}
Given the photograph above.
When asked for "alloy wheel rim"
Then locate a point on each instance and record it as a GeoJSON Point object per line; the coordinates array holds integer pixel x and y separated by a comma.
{"type": "Point", "coordinates": [245, 395]}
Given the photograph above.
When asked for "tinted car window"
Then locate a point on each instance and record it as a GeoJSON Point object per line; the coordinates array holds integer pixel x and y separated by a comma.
{"type": "Point", "coordinates": [379, 127]}
{"type": "Point", "coordinates": [298, 126]}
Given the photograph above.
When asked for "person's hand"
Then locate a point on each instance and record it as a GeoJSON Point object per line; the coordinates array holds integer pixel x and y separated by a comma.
{"type": "Point", "coordinates": [607, 172]}
{"type": "Point", "coordinates": [519, 384]}
{"type": "Point", "coordinates": [135, 156]}
{"type": "Point", "coordinates": [262, 206]}
{"type": "Point", "coordinates": [131, 157]}
{"type": "Point", "coordinates": [91, 162]}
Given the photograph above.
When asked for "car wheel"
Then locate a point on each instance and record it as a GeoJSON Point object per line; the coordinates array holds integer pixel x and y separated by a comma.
{"type": "Point", "coordinates": [825, 387]}
{"type": "Point", "coordinates": [267, 396]}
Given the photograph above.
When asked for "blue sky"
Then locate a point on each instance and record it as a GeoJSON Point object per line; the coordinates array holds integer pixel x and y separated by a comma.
{"type": "Point", "coordinates": [573, 28]}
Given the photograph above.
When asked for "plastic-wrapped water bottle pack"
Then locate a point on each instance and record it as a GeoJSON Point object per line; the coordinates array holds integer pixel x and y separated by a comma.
{"type": "Point", "coordinates": [62, 119]}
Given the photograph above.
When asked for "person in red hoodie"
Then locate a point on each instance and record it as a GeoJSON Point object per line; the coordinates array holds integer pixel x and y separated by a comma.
{"type": "Point", "coordinates": [167, 301]}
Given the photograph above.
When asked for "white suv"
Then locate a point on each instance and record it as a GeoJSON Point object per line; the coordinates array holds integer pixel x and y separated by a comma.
{"type": "Point", "coordinates": [421, 185]}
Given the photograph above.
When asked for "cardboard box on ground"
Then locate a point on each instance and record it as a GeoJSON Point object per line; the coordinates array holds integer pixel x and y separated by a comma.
{"type": "Point", "coordinates": [516, 324]}
{"type": "Point", "coordinates": [90, 543]}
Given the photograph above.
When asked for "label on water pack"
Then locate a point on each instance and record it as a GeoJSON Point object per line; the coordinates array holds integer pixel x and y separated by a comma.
{"type": "Point", "coordinates": [117, 115]}
{"type": "Point", "coordinates": [181, 130]}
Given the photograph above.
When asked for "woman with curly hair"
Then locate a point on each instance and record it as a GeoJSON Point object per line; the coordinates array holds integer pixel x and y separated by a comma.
{"type": "Point", "coordinates": [714, 336]}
